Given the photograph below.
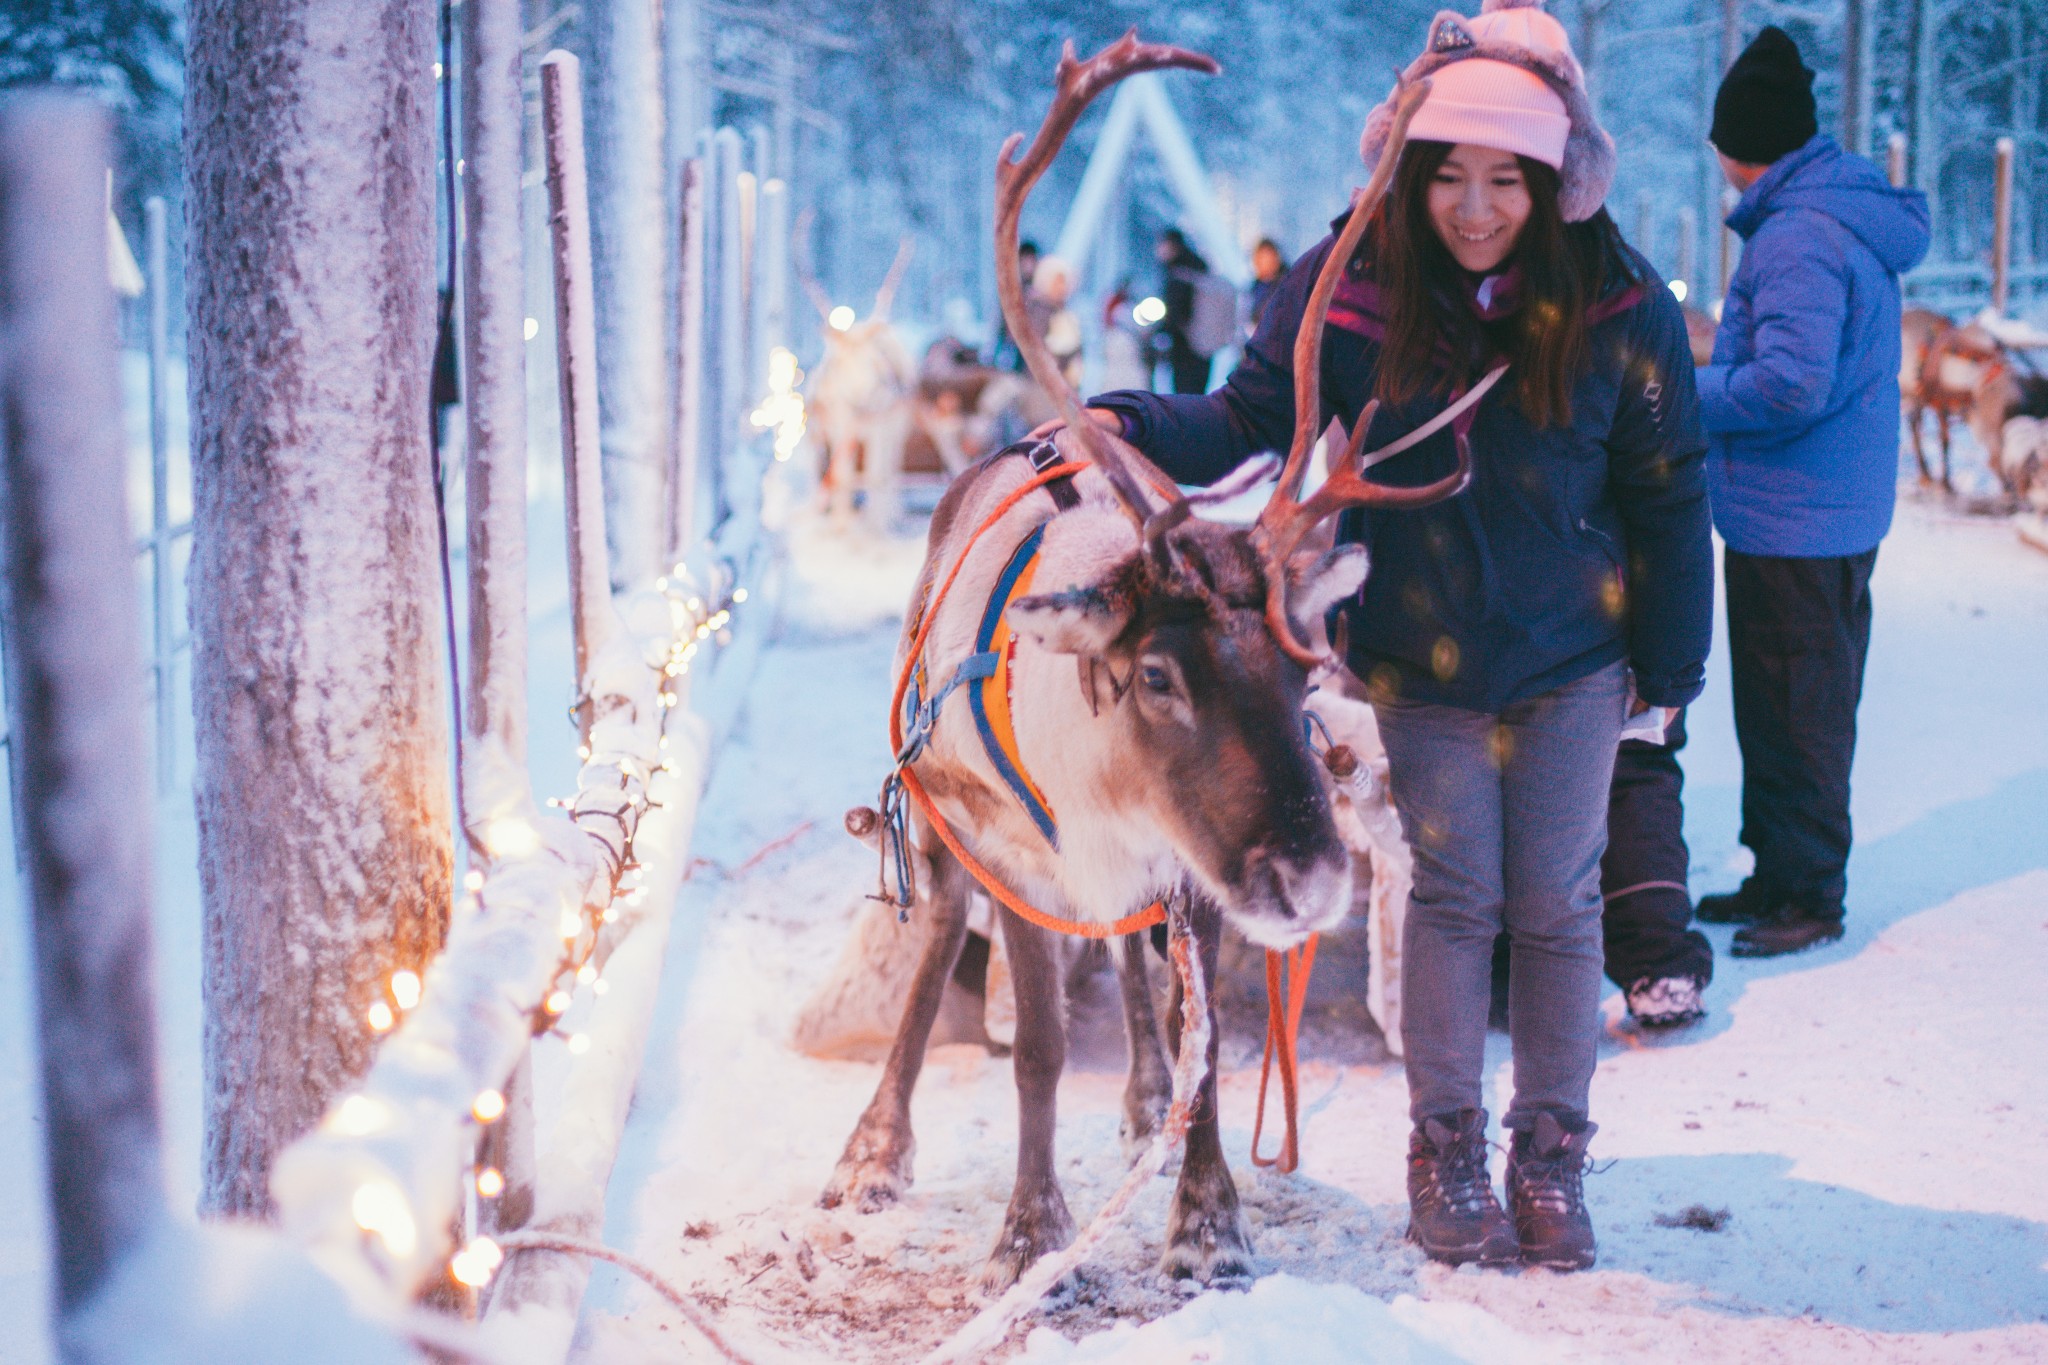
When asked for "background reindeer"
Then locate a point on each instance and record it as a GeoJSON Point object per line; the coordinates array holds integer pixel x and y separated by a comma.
{"type": "Point", "coordinates": [1155, 698]}
{"type": "Point", "coordinates": [858, 401]}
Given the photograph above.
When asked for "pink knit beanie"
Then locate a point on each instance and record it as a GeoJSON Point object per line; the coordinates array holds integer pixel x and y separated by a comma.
{"type": "Point", "coordinates": [1507, 78]}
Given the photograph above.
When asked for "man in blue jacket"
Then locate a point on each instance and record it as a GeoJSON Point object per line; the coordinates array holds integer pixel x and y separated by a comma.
{"type": "Point", "coordinates": [1801, 407]}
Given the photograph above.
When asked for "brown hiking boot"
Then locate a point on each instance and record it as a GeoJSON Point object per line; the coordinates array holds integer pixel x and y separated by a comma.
{"type": "Point", "coordinates": [1452, 1212]}
{"type": "Point", "coordinates": [1546, 1169]}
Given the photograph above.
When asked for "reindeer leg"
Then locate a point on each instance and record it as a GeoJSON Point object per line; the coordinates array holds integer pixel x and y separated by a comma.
{"type": "Point", "coordinates": [1037, 1220]}
{"type": "Point", "coordinates": [1914, 417]}
{"type": "Point", "coordinates": [1941, 423]}
{"type": "Point", "coordinates": [845, 475]}
{"type": "Point", "coordinates": [1149, 1091]}
{"type": "Point", "coordinates": [875, 1168]}
{"type": "Point", "coordinates": [1205, 1235]}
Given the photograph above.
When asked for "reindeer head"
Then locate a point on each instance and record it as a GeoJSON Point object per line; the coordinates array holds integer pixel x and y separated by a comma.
{"type": "Point", "coordinates": [1188, 635]}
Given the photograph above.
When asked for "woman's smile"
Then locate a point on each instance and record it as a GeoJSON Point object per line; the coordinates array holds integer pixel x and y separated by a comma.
{"type": "Point", "coordinates": [1478, 202]}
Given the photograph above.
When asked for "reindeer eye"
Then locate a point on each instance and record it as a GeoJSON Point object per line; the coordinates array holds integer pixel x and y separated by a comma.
{"type": "Point", "coordinates": [1155, 678]}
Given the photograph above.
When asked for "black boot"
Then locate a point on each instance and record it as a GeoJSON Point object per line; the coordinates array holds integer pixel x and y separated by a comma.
{"type": "Point", "coordinates": [1546, 1167]}
{"type": "Point", "coordinates": [1792, 929]}
{"type": "Point", "coordinates": [1452, 1212]}
{"type": "Point", "coordinates": [1746, 904]}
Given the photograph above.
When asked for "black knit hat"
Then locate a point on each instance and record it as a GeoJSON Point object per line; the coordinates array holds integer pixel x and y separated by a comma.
{"type": "Point", "coordinates": [1764, 108]}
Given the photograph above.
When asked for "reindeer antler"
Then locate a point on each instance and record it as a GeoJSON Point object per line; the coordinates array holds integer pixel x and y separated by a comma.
{"type": "Point", "coordinates": [1079, 84]}
{"type": "Point", "coordinates": [1285, 520]}
{"type": "Point", "coordinates": [886, 295]}
{"type": "Point", "coordinates": [800, 262]}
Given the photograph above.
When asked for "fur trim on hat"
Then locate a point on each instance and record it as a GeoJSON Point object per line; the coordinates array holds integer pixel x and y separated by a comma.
{"type": "Point", "coordinates": [1588, 170]}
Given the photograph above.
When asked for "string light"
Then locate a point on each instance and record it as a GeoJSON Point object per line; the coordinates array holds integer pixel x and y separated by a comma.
{"type": "Point", "coordinates": [511, 836]}
{"type": "Point", "coordinates": [489, 1106]}
{"type": "Point", "coordinates": [405, 988]}
{"type": "Point", "coordinates": [782, 411]}
{"type": "Point", "coordinates": [587, 973]}
{"type": "Point", "coordinates": [579, 1043]}
{"type": "Point", "coordinates": [380, 1017]}
{"type": "Point", "coordinates": [476, 1263]}
{"type": "Point", "coordinates": [558, 1002]}
{"type": "Point", "coordinates": [360, 1116]}
{"type": "Point", "coordinates": [490, 1182]}
{"type": "Point", "coordinates": [379, 1207]}
{"type": "Point", "coordinates": [473, 880]}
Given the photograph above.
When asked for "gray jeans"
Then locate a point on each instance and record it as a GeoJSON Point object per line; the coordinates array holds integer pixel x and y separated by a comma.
{"type": "Point", "coordinates": [1507, 817]}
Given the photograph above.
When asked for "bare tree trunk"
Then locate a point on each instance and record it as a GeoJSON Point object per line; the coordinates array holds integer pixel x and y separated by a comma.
{"type": "Point", "coordinates": [629, 237]}
{"type": "Point", "coordinates": [322, 756]}
{"type": "Point", "coordinates": [74, 692]}
{"type": "Point", "coordinates": [1925, 76]}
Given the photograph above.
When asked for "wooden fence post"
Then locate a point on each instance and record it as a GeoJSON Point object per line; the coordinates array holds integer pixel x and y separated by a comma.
{"type": "Point", "coordinates": [82, 811]}
{"type": "Point", "coordinates": [1726, 235]}
{"type": "Point", "coordinates": [688, 440]}
{"type": "Point", "coordinates": [163, 626]}
{"type": "Point", "coordinates": [1688, 245]}
{"type": "Point", "coordinates": [2001, 225]}
{"type": "Point", "coordinates": [494, 366]}
{"type": "Point", "coordinates": [561, 100]}
{"type": "Point", "coordinates": [1895, 158]}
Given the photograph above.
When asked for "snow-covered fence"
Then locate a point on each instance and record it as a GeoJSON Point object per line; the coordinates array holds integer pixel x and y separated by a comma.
{"type": "Point", "coordinates": [564, 925]}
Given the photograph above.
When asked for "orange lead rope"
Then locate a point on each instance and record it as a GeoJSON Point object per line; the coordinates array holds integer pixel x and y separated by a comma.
{"type": "Point", "coordinates": [1284, 1001]}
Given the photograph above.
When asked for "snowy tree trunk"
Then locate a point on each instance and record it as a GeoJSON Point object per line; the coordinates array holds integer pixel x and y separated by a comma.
{"type": "Point", "coordinates": [322, 760]}
{"type": "Point", "coordinates": [1857, 25]}
{"type": "Point", "coordinates": [688, 436]}
{"type": "Point", "coordinates": [629, 239]}
{"type": "Point", "coordinates": [74, 699]}
{"type": "Point", "coordinates": [1926, 75]}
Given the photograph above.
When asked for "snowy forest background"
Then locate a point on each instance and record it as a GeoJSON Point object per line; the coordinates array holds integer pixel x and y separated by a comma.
{"type": "Point", "coordinates": [891, 113]}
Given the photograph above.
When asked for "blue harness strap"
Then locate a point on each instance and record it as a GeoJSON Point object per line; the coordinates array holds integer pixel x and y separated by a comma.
{"type": "Point", "coordinates": [1008, 765]}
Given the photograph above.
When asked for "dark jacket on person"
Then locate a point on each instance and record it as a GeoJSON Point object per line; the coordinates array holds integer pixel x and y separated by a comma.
{"type": "Point", "coordinates": [1801, 402]}
{"type": "Point", "coordinates": [1573, 548]}
{"type": "Point", "coordinates": [1177, 292]}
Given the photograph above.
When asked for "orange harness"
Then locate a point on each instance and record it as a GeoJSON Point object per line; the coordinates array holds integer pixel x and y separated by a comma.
{"type": "Point", "coordinates": [1284, 1001]}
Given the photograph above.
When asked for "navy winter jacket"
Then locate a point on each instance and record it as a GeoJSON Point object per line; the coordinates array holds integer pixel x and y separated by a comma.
{"type": "Point", "coordinates": [1801, 404]}
{"type": "Point", "coordinates": [1516, 586]}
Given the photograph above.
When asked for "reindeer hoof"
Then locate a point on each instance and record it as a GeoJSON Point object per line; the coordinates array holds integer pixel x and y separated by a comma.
{"type": "Point", "coordinates": [873, 1173]}
{"type": "Point", "coordinates": [1030, 1230]}
{"type": "Point", "coordinates": [1209, 1249]}
{"type": "Point", "coordinates": [1205, 1236]}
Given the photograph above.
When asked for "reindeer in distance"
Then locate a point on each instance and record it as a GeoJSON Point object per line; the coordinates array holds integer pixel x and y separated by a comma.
{"type": "Point", "coordinates": [1970, 371]}
{"type": "Point", "coordinates": [1177, 765]}
{"type": "Point", "coordinates": [858, 403]}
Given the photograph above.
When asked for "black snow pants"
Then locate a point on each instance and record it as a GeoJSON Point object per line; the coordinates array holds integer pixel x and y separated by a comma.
{"type": "Point", "coordinates": [1646, 906]}
{"type": "Point", "coordinates": [1798, 635]}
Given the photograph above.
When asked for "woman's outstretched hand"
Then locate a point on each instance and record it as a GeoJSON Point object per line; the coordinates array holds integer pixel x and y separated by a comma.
{"type": "Point", "coordinates": [1102, 417]}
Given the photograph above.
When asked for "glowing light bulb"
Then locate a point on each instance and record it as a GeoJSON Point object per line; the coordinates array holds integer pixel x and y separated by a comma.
{"type": "Point", "coordinates": [532, 328]}
{"type": "Point", "coordinates": [587, 973]}
{"type": "Point", "coordinates": [571, 925]}
{"type": "Point", "coordinates": [558, 1002]}
{"type": "Point", "coordinates": [380, 1016]}
{"type": "Point", "coordinates": [490, 1183]}
{"type": "Point", "coordinates": [489, 1106]}
{"type": "Point", "coordinates": [405, 988]}
{"type": "Point", "coordinates": [380, 1208]}
{"type": "Point", "coordinates": [472, 881]}
{"type": "Point", "coordinates": [600, 986]}
{"type": "Point", "coordinates": [360, 1116]}
{"type": "Point", "coordinates": [1149, 311]}
{"type": "Point", "coordinates": [511, 836]}
{"type": "Point", "coordinates": [1678, 290]}
{"type": "Point", "coordinates": [840, 318]}
{"type": "Point", "coordinates": [739, 594]}
{"type": "Point", "coordinates": [476, 1263]}
{"type": "Point", "coordinates": [579, 1043]}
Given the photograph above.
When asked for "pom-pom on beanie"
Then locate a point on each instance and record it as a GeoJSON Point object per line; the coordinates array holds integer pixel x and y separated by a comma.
{"type": "Point", "coordinates": [1507, 78]}
{"type": "Point", "coordinates": [1764, 107]}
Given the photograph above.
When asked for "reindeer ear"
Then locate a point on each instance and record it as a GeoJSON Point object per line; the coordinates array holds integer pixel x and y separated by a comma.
{"type": "Point", "coordinates": [1080, 621]}
{"type": "Point", "coordinates": [1325, 583]}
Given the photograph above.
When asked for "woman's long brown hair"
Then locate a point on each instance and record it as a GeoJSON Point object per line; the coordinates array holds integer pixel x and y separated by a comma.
{"type": "Point", "coordinates": [1436, 343]}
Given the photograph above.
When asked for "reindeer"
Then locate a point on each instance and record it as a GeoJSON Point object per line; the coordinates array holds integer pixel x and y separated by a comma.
{"type": "Point", "coordinates": [1156, 676]}
{"type": "Point", "coordinates": [858, 403]}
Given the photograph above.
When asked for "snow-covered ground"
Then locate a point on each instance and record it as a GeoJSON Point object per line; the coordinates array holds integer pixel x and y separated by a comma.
{"type": "Point", "coordinates": [1860, 1127]}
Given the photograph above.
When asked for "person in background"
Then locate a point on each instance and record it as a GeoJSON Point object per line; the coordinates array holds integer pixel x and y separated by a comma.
{"type": "Point", "coordinates": [1125, 362]}
{"type": "Point", "coordinates": [1046, 303]}
{"type": "Point", "coordinates": [1269, 267]}
{"type": "Point", "coordinates": [1801, 405]}
{"type": "Point", "coordinates": [1004, 355]}
{"type": "Point", "coordinates": [1184, 268]}
{"type": "Point", "coordinates": [1662, 965]}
